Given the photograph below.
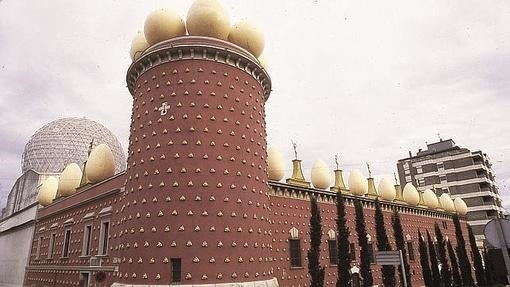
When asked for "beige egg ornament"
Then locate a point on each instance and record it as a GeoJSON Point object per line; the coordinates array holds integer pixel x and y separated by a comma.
{"type": "Point", "coordinates": [357, 183]}
{"type": "Point", "coordinates": [460, 206]}
{"type": "Point", "coordinates": [447, 202]}
{"type": "Point", "coordinates": [163, 24]}
{"type": "Point", "coordinates": [69, 179]}
{"type": "Point", "coordinates": [411, 195]}
{"type": "Point", "coordinates": [138, 46]}
{"type": "Point", "coordinates": [47, 191]}
{"type": "Point", "coordinates": [386, 189]}
{"type": "Point", "coordinates": [208, 18]}
{"type": "Point", "coordinates": [100, 164]}
{"type": "Point", "coordinates": [248, 36]}
{"type": "Point", "coordinates": [320, 175]}
{"type": "Point", "coordinates": [275, 164]}
{"type": "Point", "coordinates": [430, 199]}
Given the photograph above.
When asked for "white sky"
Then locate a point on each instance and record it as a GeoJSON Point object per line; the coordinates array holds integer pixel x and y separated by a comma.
{"type": "Point", "coordinates": [369, 80]}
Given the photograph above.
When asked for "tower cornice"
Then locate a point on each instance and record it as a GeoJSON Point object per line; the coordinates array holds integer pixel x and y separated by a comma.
{"type": "Point", "coordinates": [200, 48]}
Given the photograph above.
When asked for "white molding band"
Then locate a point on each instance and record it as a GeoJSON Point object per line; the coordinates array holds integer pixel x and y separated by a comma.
{"type": "Point", "coordinates": [266, 283]}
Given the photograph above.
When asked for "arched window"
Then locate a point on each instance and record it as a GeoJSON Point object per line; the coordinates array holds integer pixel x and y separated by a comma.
{"type": "Point", "coordinates": [410, 247]}
{"type": "Point", "coordinates": [333, 247]}
{"type": "Point", "coordinates": [295, 248]}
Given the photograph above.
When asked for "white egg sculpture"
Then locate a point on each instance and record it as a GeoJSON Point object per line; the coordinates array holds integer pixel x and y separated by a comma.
{"type": "Point", "coordinates": [460, 206]}
{"type": "Point", "coordinates": [357, 183]}
{"type": "Point", "coordinates": [263, 61]}
{"type": "Point", "coordinates": [430, 199]}
{"type": "Point", "coordinates": [275, 164]}
{"type": "Point", "coordinates": [386, 189]}
{"type": "Point", "coordinates": [248, 36]}
{"type": "Point", "coordinates": [411, 195]}
{"type": "Point", "coordinates": [163, 24]}
{"type": "Point", "coordinates": [138, 46]}
{"type": "Point", "coordinates": [320, 175]}
{"type": "Point", "coordinates": [47, 191]}
{"type": "Point", "coordinates": [100, 164]}
{"type": "Point", "coordinates": [69, 179]}
{"type": "Point", "coordinates": [447, 202]}
{"type": "Point", "coordinates": [208, 18]}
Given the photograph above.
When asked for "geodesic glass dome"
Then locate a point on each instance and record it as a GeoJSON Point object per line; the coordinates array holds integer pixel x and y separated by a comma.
{"type": "Point", "coordinates": [65, 141]}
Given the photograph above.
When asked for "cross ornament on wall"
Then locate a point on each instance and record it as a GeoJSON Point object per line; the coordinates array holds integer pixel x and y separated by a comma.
{"type": "Point", "coordinates": [164, 107]}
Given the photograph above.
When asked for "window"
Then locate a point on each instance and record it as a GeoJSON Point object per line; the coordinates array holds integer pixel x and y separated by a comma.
{"type": "Point", "coordinates": [333, 252]}
{"type": "Point", "coordinates": [38, 248]}
{"type": "Point", "coordinates": [352, 251]}
{"type": "Point", "coordinates": [371, 252]}
{"type": "Point", "coordinates": [67, 241]}
{"type": "Point", "coordinates": [87, 236]}
{"type": "Point", "coordinates": [295, 252]}
{"type": "Point", "coordinates": [51, 246]}
{"type": "Point", "coordinates": [410, 250]}
{"type": "Point", "coordinates": [103, 242]}
{"type": "Point", "coordinates": [408, 178]}
{"type": "Point", "coordinates": [442, 178]}
{"type": "Point", "coordinates": [440, 166]}
{"type": "Point", "coordinates": [419, 169]}
{"type": "Point", "coordinates": [84, 279]}
{"type": "Point", "coordinates": [175, 264]}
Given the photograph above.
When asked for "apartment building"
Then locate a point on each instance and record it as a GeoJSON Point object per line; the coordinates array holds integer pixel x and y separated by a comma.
{"type": "Point", "coordinates": [446, 167]}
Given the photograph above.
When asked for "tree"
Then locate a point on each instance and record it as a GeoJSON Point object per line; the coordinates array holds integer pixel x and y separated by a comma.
{"type": "Point", "coordinates": [383, 244]}
{"type": "Point", "coordinates": [424, 260]}
{"type": "Point", "coordinates": [457, 281]}
{"type": "Point", "coordinates": [464, 265]}
{"type": "Point", "coordinates": [314, 268]}
{"type": "Point", "coordinates": [344, 260]}
{"type": "Point", "coordinates": [477, 259]}
{"type": "Point", "coordinates": [398, 233]}
{"type": "Point", "coordinates": [361, 231]}
{"type": "Point", "coordinates": [489, 275]}
{"type": "Point", "coordinates": [446, 274]}
{"type": "Point", "coordinates": [436, 277]}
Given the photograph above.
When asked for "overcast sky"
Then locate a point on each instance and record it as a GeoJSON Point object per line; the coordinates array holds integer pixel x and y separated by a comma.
{"type": "Point", "coordinates": [368, 80]}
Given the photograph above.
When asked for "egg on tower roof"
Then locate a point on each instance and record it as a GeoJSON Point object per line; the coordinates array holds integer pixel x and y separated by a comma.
{"type": "Point", "coordinates": [411, 195]}
{"type": "Point", "coordinates": [248, 36]}
{"type": "Point", "coordinates": [430, 199]}
{"type": "Point", "coordinates": [208, 18]}
{"type": "Point", "coordinates": [100, 164]}
{"type": "Point", "coordinates": [138, 46]}
{"type": "Point", "coordinates": [357, 183]}
{"type": "Point", "coordinates": [47, 191]}
{"type": "Point", "coordinates": [386, 189]}
{"type": "Point", "coordinates": [69, 179]}
{"type": "Point", "coordinates": [320, 175]}
{"type": "Point", "coordinates": [163, 24]}
{"type": "Point", "coordinates": [275, 164]}
{"type": "Point", "coordinates": [447, 202]}
{"type": "Point", "coordinates": [460, 206]}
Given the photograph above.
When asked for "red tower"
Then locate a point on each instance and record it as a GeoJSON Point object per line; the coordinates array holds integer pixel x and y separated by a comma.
{"type": "Point", "coordinates": [195, 208]}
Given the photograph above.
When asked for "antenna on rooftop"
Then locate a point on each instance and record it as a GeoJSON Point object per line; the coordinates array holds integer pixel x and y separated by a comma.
{"type": "Point", "coordinates": [294, 145]}
{"type": "Point", "coordinates": [439, 136]}
{"type": "Point", "coordinates": [336, 161]}
{"type": "Point", "coordinates": [395, 176]}
{"type": "Point", "coordinates": [369, 171]}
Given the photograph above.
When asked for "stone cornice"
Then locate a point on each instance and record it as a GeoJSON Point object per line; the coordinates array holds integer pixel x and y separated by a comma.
{"type": "Point", "coordinates": [198, 48]}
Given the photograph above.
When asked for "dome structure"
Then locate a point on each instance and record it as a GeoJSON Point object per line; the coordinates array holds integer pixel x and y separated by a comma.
{"type": "Point", "coordinates": [320, 175]}
{"type": "Point", "coordinates": [411, 195]}
{"type": "Point", "coordinates": [460, 206]}
{"type": "Point", "coordinates": [430, 199]}
{"type": "Point", "coordinates": [275, 164]}
{"type": "Point", "coordinates": [357, 183]}
{"type": "Point", "coordinates": [65, 141]}
{"type": "Point", "coordinates": [386, 189]}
